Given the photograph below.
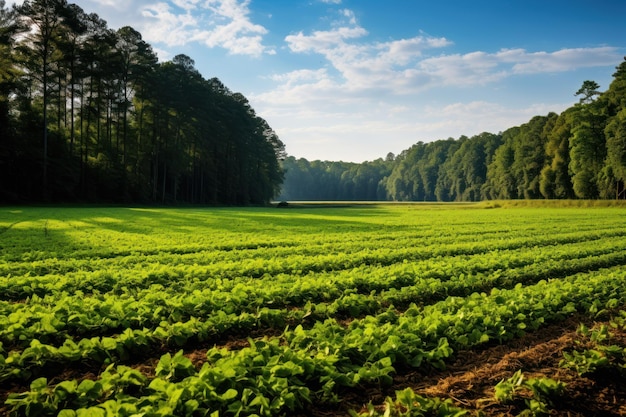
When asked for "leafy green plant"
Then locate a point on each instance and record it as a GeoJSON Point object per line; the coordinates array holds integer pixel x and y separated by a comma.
{"type": "Point", "coordinates": [545, 388]}
{"type": "Point", "coordinates": [174, 367]}
{"type": "Point", "coordinates": [409, 404]}
{"type": "Point", "coordinates": [584, 362]}
{"type": "Point", "coordinates": [537, 393]}
{"type": "Point", "coordinates": [506, 389]}
{"type": "Point", "coordinates": [600, 356]}
{"type": "Point", "coordinates": [348, 297]}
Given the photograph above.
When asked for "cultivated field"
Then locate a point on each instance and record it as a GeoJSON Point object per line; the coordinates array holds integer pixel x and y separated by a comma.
{"type": "Point", "coordinates": [417, 310]}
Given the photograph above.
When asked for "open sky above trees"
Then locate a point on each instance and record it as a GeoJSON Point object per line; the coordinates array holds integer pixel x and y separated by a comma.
{"type": "Point", "coordinates": [355, 79]}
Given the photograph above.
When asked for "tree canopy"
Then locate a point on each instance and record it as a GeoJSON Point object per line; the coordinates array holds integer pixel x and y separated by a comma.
{"type": "Point", "coordinates": [88, 113]}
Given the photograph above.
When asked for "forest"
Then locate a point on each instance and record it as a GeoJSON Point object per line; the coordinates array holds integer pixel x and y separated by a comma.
{"type": "Point", "coordinates": [578, 154]}
{"type": "Point", "coordinates": [89, 114]}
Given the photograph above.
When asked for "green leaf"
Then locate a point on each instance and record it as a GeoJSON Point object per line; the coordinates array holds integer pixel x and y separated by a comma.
{"type": "Point", "coordinates": [90, 389]}
{"type": "Point", "coordinates": [174, 396]}
{"type": "Point", "coordinates": [91, 412]}
{"type": "Point", "coordinates": [67, 386]}
{"type": "Point", "coordinates": [39, 384]}
{"type": "Point", "coordinates": [229, 395]}
{"type": "Point", "coordinates": [108, 343]}
{"type": "Point", "coordinates": [191, 406]}
{"type": "Point", "coordinates": [385, 362]}
{"type": "Point", "coordinates": [286, 369]}
{"type": "Point", "coordinates": [159, 384]}
{"type": "Point", "coordinates": [64, 389]}
{"type": "Point", "coordinates": [164, 366]}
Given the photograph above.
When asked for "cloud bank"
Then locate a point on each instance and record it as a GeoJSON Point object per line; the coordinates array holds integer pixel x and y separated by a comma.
{"type": "Point", "coordinates": [379, 93]}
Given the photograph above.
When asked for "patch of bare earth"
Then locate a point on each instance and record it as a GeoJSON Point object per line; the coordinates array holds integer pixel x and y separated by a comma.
{"type": "Point", "coordinates": [468, 380]}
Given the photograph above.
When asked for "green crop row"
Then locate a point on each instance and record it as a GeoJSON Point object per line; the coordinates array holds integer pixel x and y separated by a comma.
{"type": "Point", "coordinates": [367, 351]}
{"type": "Point", "coordinates": [105, 274]}
{"type": "Point", "coordinates": [345, 298]}
{"type": "Point", "coordinates": [366, 290]}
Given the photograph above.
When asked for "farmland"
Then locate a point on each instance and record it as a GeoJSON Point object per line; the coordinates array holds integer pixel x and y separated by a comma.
{"type": "Point", "coordinates": [419, 309]}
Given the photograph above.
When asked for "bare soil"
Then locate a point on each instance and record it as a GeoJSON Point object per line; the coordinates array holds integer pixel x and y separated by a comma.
{"type": "Point", "coordinates": [468, 380]}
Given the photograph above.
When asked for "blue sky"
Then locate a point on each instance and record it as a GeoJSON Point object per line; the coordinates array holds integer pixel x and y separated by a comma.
{"type": "Point", "coordinates": [353, 80]}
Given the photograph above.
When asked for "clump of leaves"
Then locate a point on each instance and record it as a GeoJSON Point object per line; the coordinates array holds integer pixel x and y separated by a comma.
{"type": "Point", "coordinates": [537, 393]}
{"type": "Point", "coordinates": [584, 362]}
{"type": "Point", "coordinates": [601, 356]}
{"type": "Point", "coordinates": [409, 404]}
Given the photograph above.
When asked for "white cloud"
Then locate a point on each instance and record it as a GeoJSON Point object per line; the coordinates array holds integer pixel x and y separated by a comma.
{"type": "Point", "coordinates": [323, 42]}
{"type": "Point", "coordinates": [186, 4]}
{"type": "Point", "coordinates": [559, 61]}
{"type": "Point", "coordinates": [403, 67]}
{"type": "Point", "coordinates": [214, 23]}
{"type": "Point", "coordinates": [481, 68]}
{"type": "Point", "coordinates": [471, 69]}
{"type": "Point", "coordinates": [474, 117]}
{"type": "Point", "coordinates": [109, 3]}
{"type": "Point", "coordinates": [162, 54]}
{"type": "Point", "coordinates": [365, 65]}
{"type": "Point", "coordinates": [168, 28]}
{"type": "Point", "coordinates": [372, 92]}
{"type": "Point", "coordinates": [233, 30]}
{"type": "Point", "coordinates": [349, 14]}
{"type": "Point", "coordinates": [301, 75]}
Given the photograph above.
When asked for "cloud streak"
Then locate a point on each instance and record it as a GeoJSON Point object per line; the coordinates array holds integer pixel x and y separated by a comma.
{"type": "Point", "coordinates": [214, 23]}
{"type": "Point", "coordinates": [372, 91]}
{"type": "Point", "coordinates": [359, 71]}
{"type": "Point", "coordinates": [404, 68]}
{"type": "Point", "coordinates": [235, 32]}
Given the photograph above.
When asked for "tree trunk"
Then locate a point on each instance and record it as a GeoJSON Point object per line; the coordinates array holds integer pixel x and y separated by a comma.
{"type": "Point", "coordinates": [45, 124]}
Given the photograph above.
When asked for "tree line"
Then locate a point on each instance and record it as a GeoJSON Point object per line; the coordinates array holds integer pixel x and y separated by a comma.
{"type": "Point", "coordinates": [580, 153]}
{"type": "Point", "coordinates": [88, 113]}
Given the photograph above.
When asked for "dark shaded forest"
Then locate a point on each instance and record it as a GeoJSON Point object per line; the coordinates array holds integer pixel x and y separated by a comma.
{"type": "Point", "coordinates": [88, 114]}
{"type": "Point", "coordinates": [580, 153]}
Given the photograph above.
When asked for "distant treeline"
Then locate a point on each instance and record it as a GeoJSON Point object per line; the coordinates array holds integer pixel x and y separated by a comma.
{"type": "Point", "coordinates": [580, 153]}
{"type": "Point", "coordinates": [88, 114]}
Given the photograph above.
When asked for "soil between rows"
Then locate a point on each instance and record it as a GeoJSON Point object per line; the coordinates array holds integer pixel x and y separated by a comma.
{"type": "Point", "coordinates": [468, 380]}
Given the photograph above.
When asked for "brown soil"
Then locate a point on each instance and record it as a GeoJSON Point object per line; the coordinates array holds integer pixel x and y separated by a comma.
{"type": "Point", "coordinates": [468, 380]}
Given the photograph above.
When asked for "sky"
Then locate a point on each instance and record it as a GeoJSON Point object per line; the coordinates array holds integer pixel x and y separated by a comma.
{"type": "Point", "coordinates": [352, 80]}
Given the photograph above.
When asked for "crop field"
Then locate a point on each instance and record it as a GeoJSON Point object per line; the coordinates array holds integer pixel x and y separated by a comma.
{"type": "Point", "coordinates": [365, 310]}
